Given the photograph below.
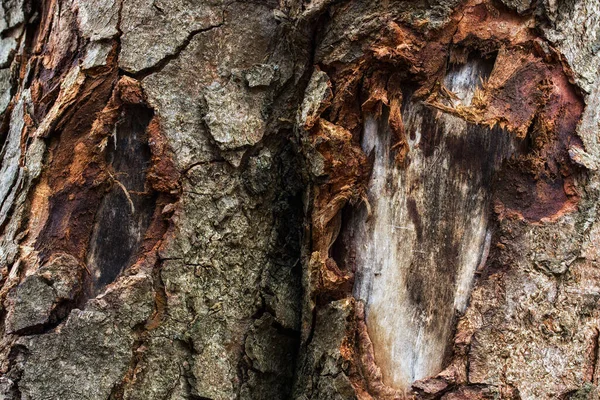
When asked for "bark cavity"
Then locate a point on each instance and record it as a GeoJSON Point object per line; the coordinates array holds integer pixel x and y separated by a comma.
{"type": "Point", "coordinates": [416, 253]}
{"type": "Point", "coordinates": [110, 181]}
{"type": "Point", "coordinates": [418, 149]}
{"type": "Point", "coordinates": [126, 210]}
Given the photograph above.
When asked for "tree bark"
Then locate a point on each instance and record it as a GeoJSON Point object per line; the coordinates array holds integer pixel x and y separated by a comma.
{"type": "Point", "coordinates": [299, 199]}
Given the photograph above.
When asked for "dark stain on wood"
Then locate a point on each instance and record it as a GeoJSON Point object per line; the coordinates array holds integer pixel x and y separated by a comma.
{"type": "Point", "coordinates": [126, 210]}
{"type": "Point", "coordinates": [413, 212]}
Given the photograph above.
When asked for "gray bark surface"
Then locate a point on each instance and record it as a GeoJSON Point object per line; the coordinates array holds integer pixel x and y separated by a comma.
{"type": "Point", "coordinates": [299, 199]}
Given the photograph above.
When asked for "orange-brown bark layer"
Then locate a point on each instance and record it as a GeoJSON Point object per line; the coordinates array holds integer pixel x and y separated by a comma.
{"type": "Point", "coordinates": [529, 93]}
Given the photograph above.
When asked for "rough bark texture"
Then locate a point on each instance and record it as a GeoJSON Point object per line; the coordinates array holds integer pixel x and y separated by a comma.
{"type": "Point", "coordinates": [299, 199]}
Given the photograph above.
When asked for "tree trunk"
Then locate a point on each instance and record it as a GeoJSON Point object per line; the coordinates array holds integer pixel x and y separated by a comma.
{"type": "Point", "coordinates": [299, 200]}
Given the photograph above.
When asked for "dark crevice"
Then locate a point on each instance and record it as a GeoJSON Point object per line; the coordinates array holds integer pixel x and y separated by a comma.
{"type": "Point", "coordinates": [595, 355]}
{"type": "Point", "coordinates": [160, 297]}
{"type": "Point", "coordinates": [16, 357]}
{"type": "Point", "coordinates": [157, 8]}
{"type": "Point", "coordinates": [195, 164]}
{"type": "Point", "coordinates": [119, 30]}
{"type": "Point", "coordinates": [144, 72]}
{"type": "Point", "coordinates": [57, 317]}
{"type": "Point", "coordinates": [315, 28]}
{"type": "Point", "coordinates": [5, 199]}
{"type": "Point", "coordinates": [272, 173]}
{"type": "Point", "coordinates": [282, 330]}
{"type": "Point", "coordinates": [10, 32]}
{"type": "Point", "coordinates": [139, 334]}
{"type": "Point", "coordinates": [126, 210]}
{"type": "Point", "coordinates": [313, 327]}
{"type": "Point", "coordinates": [261, 310]}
